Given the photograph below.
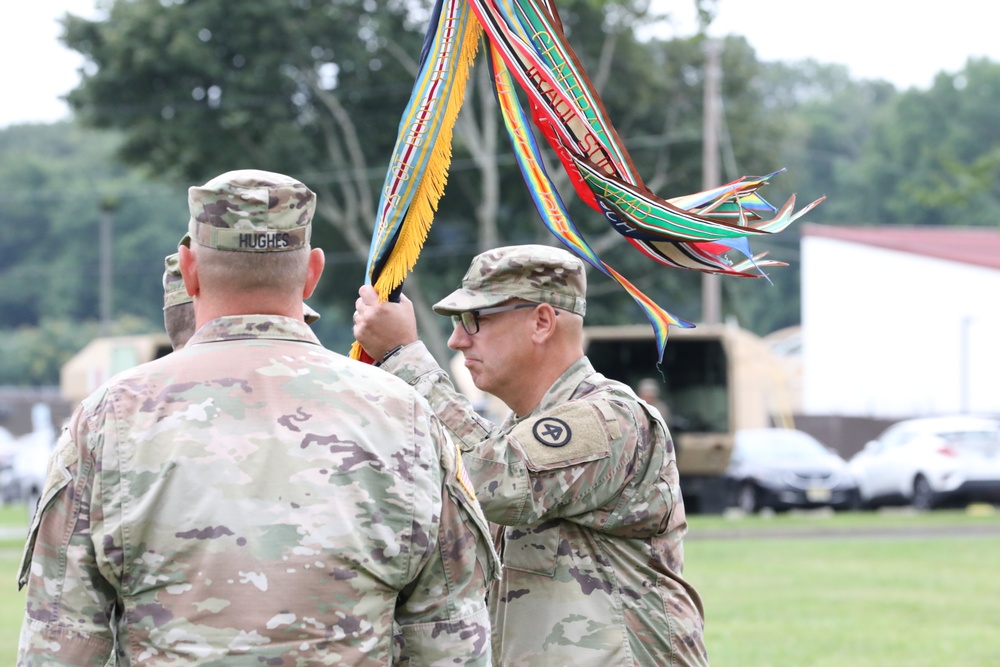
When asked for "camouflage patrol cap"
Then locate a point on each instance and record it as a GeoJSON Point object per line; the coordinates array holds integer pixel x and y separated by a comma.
{"type": "Point", "coordinates": [251, 211]}
{"type": "Point", "coordinates": [174, 293]}
{"type": "Point", "coordinates": [537, 273]}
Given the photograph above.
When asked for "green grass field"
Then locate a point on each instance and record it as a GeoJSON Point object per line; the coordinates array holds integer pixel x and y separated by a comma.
{"type": "Point", "coordinates": [800, 590]}
{"type": "Point", "coordinates": [883, 600]}
{"type": "Point", "coordinates": [13, 520]}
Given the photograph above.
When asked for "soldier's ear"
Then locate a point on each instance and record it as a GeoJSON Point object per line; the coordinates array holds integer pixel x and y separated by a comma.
{"type": "Point", "coordinates": [544, 317]}
{"type": "Point", "coordinates": [189, 270]}
{"type": "Point", "coordinates": [317, 260]}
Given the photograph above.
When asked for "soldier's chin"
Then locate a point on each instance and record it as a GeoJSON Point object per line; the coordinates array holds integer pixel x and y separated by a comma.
{"type": "Point", "coordinates": [477, 378]}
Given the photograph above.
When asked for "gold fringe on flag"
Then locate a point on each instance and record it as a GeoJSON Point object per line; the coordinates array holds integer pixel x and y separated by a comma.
{"type": "Point", "coordinates": [420, 215]}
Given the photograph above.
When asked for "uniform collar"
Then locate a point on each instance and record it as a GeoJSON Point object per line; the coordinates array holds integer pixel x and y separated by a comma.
{"type": "Point", "coordinates": [240, 327]}
{"type": "Point", "coordinates": [562, 389]}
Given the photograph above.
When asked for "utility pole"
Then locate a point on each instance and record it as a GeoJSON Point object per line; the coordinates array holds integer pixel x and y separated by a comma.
{"type": "Point", "coordinates": [711, 288]}
{"type": "Point", "coordinates": [106, 239]}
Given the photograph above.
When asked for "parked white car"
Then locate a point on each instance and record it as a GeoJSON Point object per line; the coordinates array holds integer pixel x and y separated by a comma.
{"type": "Point", "coordinates": [930, 462]}
{"type": "Point", "coordinates": [28, 470]}
{"type": "Point", "coordinates": [24, 461]}
{"type": "Point", "coordinates": [7, 451]}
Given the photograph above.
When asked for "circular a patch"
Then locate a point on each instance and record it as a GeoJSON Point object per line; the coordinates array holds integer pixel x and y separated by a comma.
{"type": "Point", "coordinates": [552, 432]}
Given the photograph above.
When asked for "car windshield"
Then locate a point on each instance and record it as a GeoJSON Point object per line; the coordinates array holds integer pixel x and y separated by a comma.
{"type": "Point", "coordinates": [780, 445]}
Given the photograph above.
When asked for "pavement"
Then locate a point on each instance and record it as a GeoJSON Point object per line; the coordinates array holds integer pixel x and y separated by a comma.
{"type": "Point", "coordinates": [890, 528]}
{"type": "Point", "coordinates": [841, 532]}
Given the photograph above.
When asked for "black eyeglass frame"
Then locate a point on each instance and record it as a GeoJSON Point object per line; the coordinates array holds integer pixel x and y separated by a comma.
{"type": "Point", "coordinates": [469, 319]}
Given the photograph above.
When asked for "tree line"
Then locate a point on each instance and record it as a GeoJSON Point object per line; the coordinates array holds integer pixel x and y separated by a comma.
{"type": "Point", "coordinates": [175, 93]}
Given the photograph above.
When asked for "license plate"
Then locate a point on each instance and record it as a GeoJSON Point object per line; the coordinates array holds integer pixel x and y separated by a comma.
{"type": "Point", "coordinates": [818, 495]}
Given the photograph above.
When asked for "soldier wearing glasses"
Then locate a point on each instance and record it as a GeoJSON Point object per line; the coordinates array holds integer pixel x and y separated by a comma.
{"type": "Point", "coordinates": [580, 478]}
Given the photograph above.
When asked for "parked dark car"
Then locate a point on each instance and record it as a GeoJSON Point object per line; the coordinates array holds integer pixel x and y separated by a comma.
{"type": "Point", "coordinates": [784, 468]}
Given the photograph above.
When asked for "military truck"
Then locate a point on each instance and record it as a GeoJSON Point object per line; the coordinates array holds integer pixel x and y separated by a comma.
{"type": "Point", "coordinates": [715, 379]}
{"type": "Point", "coordinates": [105, 357]}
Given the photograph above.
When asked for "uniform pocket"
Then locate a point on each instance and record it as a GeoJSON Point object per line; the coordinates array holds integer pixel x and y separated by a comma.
{"type": "Point", "coordinates": [56, 480]}
{"type": "Point", "coordinates": [532, 548]}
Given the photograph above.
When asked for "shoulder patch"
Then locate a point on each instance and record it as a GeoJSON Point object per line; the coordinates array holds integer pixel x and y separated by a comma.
{"type": "Point", "coordinates": [571, 433]}
{"type": "Point", "coordinates": [552, 432]}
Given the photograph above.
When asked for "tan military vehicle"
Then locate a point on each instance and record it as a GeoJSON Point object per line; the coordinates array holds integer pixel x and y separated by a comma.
{"type": "Point", "coordinates": [105, 357]}
{"type": "Point", "coordinates": [716, 379]}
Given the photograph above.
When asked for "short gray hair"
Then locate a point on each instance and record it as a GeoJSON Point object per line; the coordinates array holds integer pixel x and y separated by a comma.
{"type": "Point", "coordinates": [242, 271]}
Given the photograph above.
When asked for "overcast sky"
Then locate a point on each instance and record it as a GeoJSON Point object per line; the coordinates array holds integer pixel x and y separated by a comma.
{"type": "Point", "coordinates": [906, 43]}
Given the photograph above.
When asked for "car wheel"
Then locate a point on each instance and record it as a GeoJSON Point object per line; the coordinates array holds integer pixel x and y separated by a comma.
{"type": "Point", "coordinates": [924, 497]}
{"type": "Point", "coordinates": [747, 498]}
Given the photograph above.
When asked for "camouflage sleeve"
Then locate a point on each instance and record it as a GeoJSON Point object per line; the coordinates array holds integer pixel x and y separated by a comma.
{"type": "Point", "coordinates": [416, 366]}
{"type": "Point", "coordinates": [442, 618]}
{"type": "Point", "coordinates": [574, 460]}
{"type": "Point", "coordinates": [68, 603]}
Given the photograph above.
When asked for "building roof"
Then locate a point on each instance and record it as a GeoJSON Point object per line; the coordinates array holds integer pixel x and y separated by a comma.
{"type": "Point", "coordinates": [970, 245]}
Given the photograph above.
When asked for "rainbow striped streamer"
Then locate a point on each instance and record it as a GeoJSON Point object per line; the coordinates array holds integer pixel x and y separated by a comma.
{"type": "Point", "coordinates": [551, 207]}
{"type": "Point", "coordinates": [418, 169]}
{"type": "Point", "coordinates": [527, 47]}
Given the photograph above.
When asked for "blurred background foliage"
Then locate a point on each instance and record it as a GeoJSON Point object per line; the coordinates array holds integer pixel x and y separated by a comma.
{"type": "Point", "coordinates": [174, 93]}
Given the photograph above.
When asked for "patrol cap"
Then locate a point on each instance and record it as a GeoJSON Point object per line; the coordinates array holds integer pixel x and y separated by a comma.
{"type": "Point", "coordinates": [249, 210]}
{"type": "Point", "coordinates": [536, 273]}
{"type": "Point", "coordinates": [174, 293]}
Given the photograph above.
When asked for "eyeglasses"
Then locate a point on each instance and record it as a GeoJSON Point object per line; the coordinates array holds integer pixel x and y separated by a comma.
{"type": "Point", "coordinates": [470, 318]}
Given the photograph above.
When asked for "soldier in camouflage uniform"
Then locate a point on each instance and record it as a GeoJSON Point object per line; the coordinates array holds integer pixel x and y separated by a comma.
{"type": "Point", "coordinates": [178, 309]}
{"type": "Point", "coordinates": [253, 498]}
{"type": "Point", "coordinates": [581, 477]}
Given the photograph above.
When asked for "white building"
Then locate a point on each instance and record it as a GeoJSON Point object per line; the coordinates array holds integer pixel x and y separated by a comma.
{"type": "Point", "coordinates": [900, 321]}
